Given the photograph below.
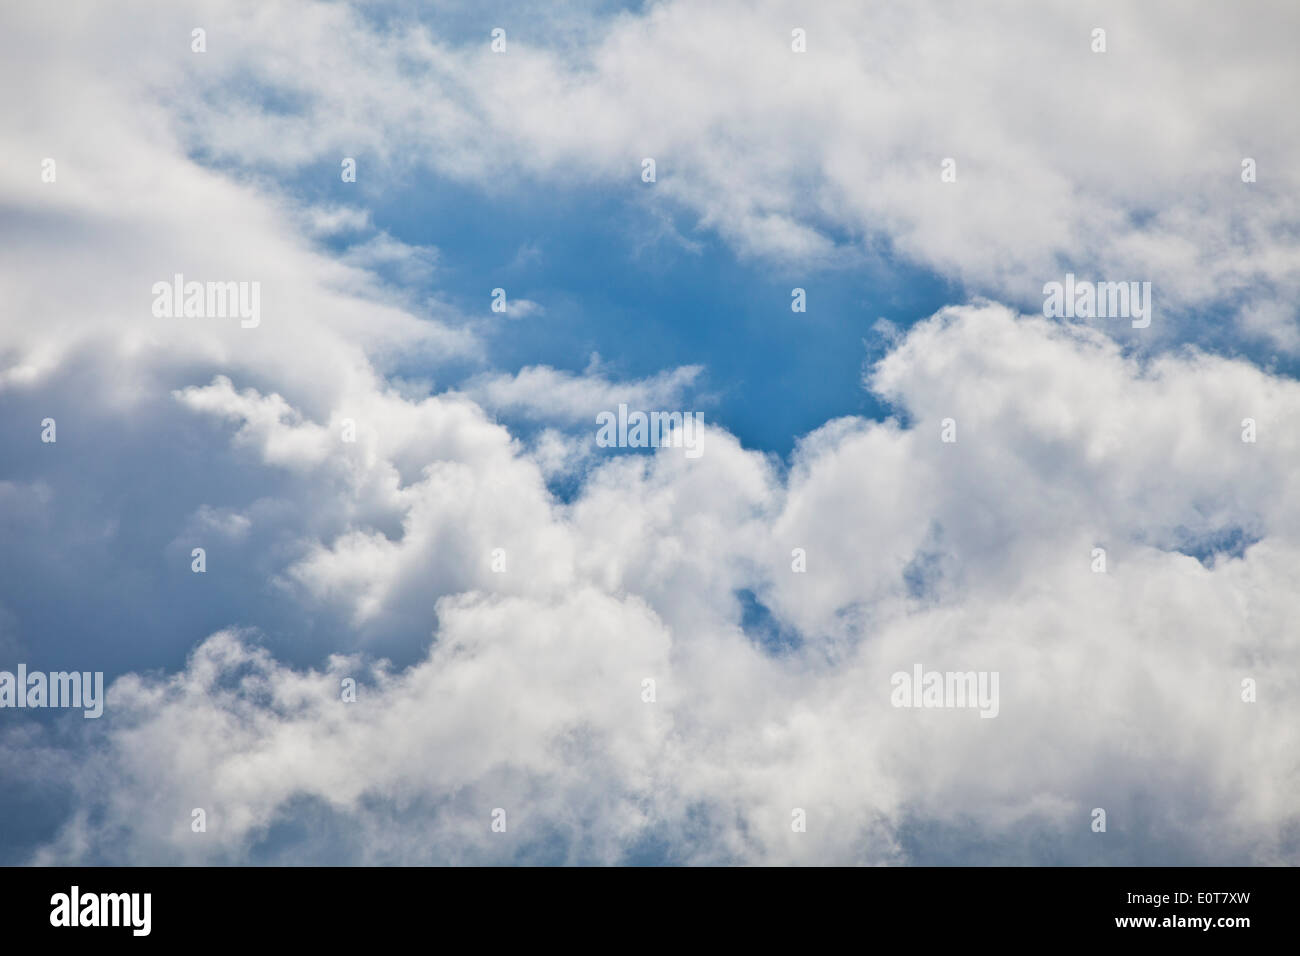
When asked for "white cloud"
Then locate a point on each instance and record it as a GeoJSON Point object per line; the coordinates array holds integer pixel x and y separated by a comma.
{"type": "Point", "coordinates": [335, 220]}
{"type": "Point", "coordinates": [1119, 690]}
{"type": "Point", "coordinates": [541, 392]}
{"type": "Point", "coordinates": [1117, 165]}
{"type": "Point", "coordinates": [522, 308]}
{"type": "Point", "coordinates": [411, 263]}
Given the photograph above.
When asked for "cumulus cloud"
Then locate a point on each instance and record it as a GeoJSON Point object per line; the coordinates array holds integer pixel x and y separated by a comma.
{"type": "Point", "coordinates": [502, 636]}
{"type": "Point", "coordinates": [411, 264]}
{"type": "Point", "coordinates": [1122, 165]}
{"type": "Point", "coordinates": [544, 393]}
{"type": "Point", "coordinates": [1118, 689]}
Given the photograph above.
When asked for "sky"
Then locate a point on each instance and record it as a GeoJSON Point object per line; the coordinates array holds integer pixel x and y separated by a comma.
{"type": "Point", "coordinates": [498, 584]}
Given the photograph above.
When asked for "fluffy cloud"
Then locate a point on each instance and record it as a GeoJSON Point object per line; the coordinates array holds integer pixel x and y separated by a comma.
{"type": "Point", "coordinates": [1118, 690]}
{"type": "Point", "coordinates": [1122, 165]}
{"type": "Point", "coordinates": [522, 688]}
{"type": "Point", "coordinates": [547, 394]}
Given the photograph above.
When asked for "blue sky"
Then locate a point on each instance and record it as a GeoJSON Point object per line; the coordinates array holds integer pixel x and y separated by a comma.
{"type": "Point", "coordinates": [641, 656]}
{"type": "Point", "coordinates": [647, 293]}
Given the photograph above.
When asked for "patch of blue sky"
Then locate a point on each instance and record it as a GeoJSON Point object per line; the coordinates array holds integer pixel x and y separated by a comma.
{"type": "Point", "coordinates": [551, 24]}
{"type": "Point", "coordinates": [622, 275]}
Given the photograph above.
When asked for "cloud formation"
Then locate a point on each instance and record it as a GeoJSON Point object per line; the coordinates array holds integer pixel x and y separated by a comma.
{"type": "Point", "coordinates": [1118, 690]}
{"type": "Point", "coordinates": [501, 634]}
